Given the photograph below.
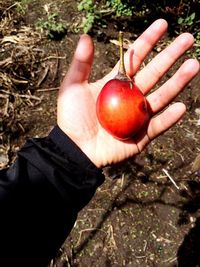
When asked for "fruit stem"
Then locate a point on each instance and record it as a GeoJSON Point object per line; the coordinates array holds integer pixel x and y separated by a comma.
{"type": "Point", "coordinates": [121, 75]}
{"type": "Point", "coordinates": [122, 69]}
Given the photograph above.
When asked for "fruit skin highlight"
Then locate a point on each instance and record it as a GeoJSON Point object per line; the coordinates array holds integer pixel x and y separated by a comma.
{"type": "Point", "coordinates": [121, 107]}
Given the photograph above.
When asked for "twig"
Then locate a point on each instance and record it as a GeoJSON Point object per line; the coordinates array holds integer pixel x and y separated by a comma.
{"type": "Point", "coordinates": [171, 179]}
{"type": "Point", "coordinates": [43, 76]}
{"type": "Point", "coordinates": [181, 156]}
{"type": "Point", "coordinates": [29, 97]}
{"type": "Point", "coordinates": [52, 57]}
{"type": "Point", "coordinates": [122, 180]}
{"type": "Point", "coordinates": [22, 96]}
{"type": "Point", "coordinates": [47, 89]}
{"type": "Point", "coordinates": [54, 69]}
{"type": "Point", "coordinates": [19, 81]}
{"type": "Point", "coordinates": [170, 259]}
{"type": "Point", "coordinates": [162, 239]}
{"type": "Point", "coordinates": [15, 4]}
{"type": "Point", "coordinates": [67, 261]}
{"type": "Point", "coordinates": [139, 257]}
{"type": "Point", "coordinates": [145, 245]}
{"type": "Point", "coordinates": [21, 127]}
{"type": "Point", "coordinates": [6, 62]}
{"type": "Point", "coordinates": [6, 107]}
{"type": "Point", "coordinates": [111, 240]}
{"type": "Point", "coordinates": [82, 231]}
{"type": "Point", "coordinates": [51, 263]}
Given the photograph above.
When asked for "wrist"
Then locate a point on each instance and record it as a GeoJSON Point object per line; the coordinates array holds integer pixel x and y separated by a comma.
{"type": "Point", "coordinates": [75, 151]}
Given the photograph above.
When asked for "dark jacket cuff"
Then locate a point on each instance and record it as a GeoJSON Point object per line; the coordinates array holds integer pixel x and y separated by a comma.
{"type": "Point", "coordinates": [71, 150]}
{"type": "Point", "coordinates": [65, 166]}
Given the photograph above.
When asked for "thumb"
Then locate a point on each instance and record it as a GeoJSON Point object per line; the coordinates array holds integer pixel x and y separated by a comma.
{"type": "Point", "coordinates": [80, 67]}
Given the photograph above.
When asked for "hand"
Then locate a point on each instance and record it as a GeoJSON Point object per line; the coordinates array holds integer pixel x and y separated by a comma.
{"type": "Point", "coordinates": [76, 113]}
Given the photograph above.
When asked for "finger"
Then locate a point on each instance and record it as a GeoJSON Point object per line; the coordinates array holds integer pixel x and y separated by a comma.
{"type": "Point", "coordinates": [168, 91]}
{"type": "Point", "coordinates": [79, 70]}
{"type": "Point", "coordinates": [141, 48]}
{"type": "Point", "coordinates": [152, 73]}
{"type": "Point", "coordinates": [143, 45]}
{"type": "Point", "coordinates": [160, 124]}
{"type": "Point", "coordinates": [165, 120]}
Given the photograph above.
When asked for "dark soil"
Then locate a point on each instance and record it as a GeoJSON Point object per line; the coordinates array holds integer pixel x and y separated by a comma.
{"type": "Point", "coordinates": [138, 217]}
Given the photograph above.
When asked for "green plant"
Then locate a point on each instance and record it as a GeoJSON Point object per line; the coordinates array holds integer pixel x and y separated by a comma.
{"type": "Point", "coordinates": [91, 14]}
{"type": "Point", "coordinates": [21, 6]}
{"type": "Point", "coordinates": [197, 45]}
{"type": "Point", "coordinates": [94, 14]}
{"type": "Point", "coordinates": [86, 5]}
{"type": "Point", "coordinates": [120, 8]}
{"type": "Point", "coordinates": [53, 26]}
{"type": "Point", "coordinates": [188, 20]}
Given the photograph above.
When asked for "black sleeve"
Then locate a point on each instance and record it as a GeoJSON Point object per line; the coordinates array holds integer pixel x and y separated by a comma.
{"type": "Point", "coordinates": [40, 196]}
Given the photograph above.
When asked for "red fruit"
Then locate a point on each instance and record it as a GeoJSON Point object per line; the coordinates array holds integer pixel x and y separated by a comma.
{"type": "Point", "coordinates": [121, 107]}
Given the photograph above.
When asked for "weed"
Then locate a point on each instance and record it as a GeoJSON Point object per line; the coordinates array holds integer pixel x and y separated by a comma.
{"type": "Point", "coordinates": [188, 20]}
{"type": "Point", "coordinates": [22, 6]}
{"type": "Point", "coordinates": [94, 14]}
{"type": "Point", "coordinates": [197, 44]}
{"type": "Point", "coordinates": [89, 8]}
{"type": "Point", "coordinates": [120, 9]}
{"type": "Point", "coordinates": [86, 5]}
{"type": "Point", "coordinates": [53, 26]}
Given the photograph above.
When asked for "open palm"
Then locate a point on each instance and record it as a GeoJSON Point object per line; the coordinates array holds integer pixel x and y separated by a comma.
{"type": "Point", "coordinates": [76, 112]}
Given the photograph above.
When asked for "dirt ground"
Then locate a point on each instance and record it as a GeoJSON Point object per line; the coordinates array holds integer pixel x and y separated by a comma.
{"type": "Point", "coordinates": [138, 217]}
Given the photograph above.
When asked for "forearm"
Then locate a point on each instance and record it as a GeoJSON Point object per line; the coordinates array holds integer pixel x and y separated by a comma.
{"type": "Point", "coordinates": [40, 196]}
